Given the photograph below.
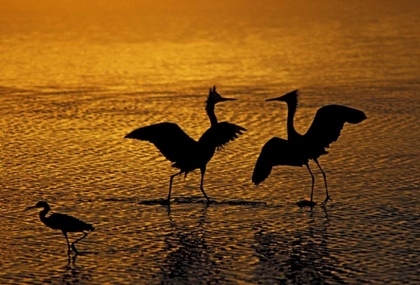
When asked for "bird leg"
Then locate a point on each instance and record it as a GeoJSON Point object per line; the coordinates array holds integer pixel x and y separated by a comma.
{"type": "Point", "coordinates": [74, 248]}
{"type": "Point", "coordinates": [73, 243]}
{"type": "Point", "coordinates": [313, 182]}
{"type": "Point", "coordinates": [170, 185]}
{"type": "Point", "coordinates": [327, 197]}
{"type": "Point", "coordinates": [203, 170]}
{"type": "Point", "coordinates": [68, 244]}
{"type": "Point", "coordinates": [71, 261]}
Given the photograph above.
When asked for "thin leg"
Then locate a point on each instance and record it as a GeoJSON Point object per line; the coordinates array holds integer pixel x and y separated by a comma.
{"type": "Point", "coordinates": [68, 262]}
{"type": "Point", "coordinates": [68, 244]}
{"type": "Point", "coordinates": [170, 185]}
{"type": "Point", "coordinates": [73, 244]}
{"type": "Point", "coordinates": [71, 261]}
{"type": "Point", "coordinates": [168, 210]}
{"type": "Point", "coordinates": [203, 171]}
{"type": "Point", "coordinates": [327, 197]}
{"type": "Point", "coordinates": [313, 182]}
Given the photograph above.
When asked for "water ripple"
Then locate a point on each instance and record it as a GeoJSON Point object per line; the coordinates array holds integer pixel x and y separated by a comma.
{"type": "Point", "coordinates": [70, 151]}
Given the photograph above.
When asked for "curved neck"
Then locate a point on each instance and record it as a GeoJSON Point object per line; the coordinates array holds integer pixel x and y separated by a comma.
{"type": "Point", "coordinates": [211, 114]}
{"type": "Point", "coordinates": [43, 213]}
{"type": "Point", "coordinates": [291, 110]}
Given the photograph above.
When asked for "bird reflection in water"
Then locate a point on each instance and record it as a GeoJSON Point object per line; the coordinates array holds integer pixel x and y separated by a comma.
{"type": "Point", "coordinates": [63, 222]}
{"type": "Point", "coordinates": [71, 261]}
{"type": "Point", "coordinates": [190, 259]}
{"type": "Point", "coordinates": [186, 153]}
{"type": "Point", "coordinates": [295, 257]}
{"type": "Point", "coordinates": [298, 149]}
{"type": "Point", "coordinates": [73, 274]}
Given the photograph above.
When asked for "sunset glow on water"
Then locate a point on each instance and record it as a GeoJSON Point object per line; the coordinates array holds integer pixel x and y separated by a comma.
{"type": "Point", "coordinates": [76, 78]}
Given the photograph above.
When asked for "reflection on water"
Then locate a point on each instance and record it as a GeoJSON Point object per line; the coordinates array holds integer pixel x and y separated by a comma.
{"type": "Point", "coordinates": [73, 274]}
{"type": "Point", "coordinates": [200, 200]}
{"type": "Point", "coordinates": [189, 259]}
{"type": "Point", "coordinates": [72, 87]}
{"type": "Point", "coordinates": [304, 259]}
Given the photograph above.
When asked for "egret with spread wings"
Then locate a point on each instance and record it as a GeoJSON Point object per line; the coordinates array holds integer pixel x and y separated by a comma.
{"type": "Point", "coordinates": [186, 153]}
{"type": "Point", "coordinates": [298, 149]}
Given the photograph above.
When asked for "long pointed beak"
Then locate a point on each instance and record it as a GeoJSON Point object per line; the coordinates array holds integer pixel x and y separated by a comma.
{"type": "Point", "coordinates": [227, 99]}
{"type": "Point", "coordinates": [275, 99]}
{"type": "Point", "coordinates": [32, 207]}
{"type": "Point", "coordinates": [283, 97]}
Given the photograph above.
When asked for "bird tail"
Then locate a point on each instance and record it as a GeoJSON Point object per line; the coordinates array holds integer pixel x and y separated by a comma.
{"type": "Point", "coordinates": [90, 228]}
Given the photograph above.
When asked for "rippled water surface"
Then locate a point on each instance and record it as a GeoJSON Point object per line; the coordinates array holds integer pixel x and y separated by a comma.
{"type": "Point", "coordinates": [73, 86]}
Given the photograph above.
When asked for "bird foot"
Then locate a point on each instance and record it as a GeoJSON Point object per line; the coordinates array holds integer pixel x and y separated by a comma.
{"type": "Point", "coordinates": [326, 201]}
{"type": "Point", "coordinates": [208, 202]}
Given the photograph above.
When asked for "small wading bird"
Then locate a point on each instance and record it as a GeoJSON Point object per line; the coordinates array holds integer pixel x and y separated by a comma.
{"type": "Point", "coordinates": [63, 222]}
{"type": "Point", "coordinates": [186, 153]}
{"type": "Point", "coordinates": [298, 149]}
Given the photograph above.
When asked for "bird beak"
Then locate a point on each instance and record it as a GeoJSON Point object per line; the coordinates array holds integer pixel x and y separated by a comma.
{"type": "Point", "coordinates": [283, 97]}
{"type": "Point", "coordinates": [30, 208]}
{"type": "Point", "coordinates": [275, 99]}
{"type": "Point", "coordinates": [227, 99]}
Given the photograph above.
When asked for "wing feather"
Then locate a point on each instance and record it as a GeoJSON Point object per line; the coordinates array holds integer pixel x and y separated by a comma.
{"type": "Point", "coordinates": [68, 223]}
{"type": "Point", "coordinates": [169, 138]}
{"type": "Point", "coordinates": [328, 123]}
{"type": "Point", "coordinates": [276, 151]}
{"type": "Point", "coordinates": [219, 135]}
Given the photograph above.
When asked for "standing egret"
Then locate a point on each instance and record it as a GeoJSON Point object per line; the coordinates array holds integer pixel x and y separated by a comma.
{"type": "Point", "coordinates": [186, 153]}
{"type": "Point", "coordinates": [63, 222]}
{"type": "Point", "coordinates": [298, 149]}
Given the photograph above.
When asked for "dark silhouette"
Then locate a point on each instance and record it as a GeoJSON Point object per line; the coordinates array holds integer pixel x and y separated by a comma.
{"type": "Point", "coordinates": [64, 223]}
{"type": "Point", "coordinates": [188, 259]}
{"type": "Point", "coordinates": [298, 149]}
{"type": "Point", "coordinates": [299, 256]}
{"type": "Point", "coordinates": [186, 153]}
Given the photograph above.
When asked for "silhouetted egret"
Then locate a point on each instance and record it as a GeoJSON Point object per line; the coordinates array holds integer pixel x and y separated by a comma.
{"type": "Point", "coordinates": [186, 153]}
{"type": "Point", "coordinates": [63, 222]}
{"type": "Point", "coordinates": [298, 149]}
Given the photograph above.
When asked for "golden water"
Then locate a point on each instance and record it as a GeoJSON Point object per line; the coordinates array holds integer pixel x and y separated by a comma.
{"type": "Point", "coordinates": [73, 83]}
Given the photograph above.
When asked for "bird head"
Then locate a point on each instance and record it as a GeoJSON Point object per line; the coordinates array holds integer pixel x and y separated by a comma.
{"type": "Point", "coordinates": [40, 204]}
{"type": "Point", "coordinates": [291, 97]}
{"type": "Point", "coordinates": [215, 97]}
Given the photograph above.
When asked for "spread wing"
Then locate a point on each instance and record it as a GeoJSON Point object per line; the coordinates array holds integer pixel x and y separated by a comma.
{"type": "Point", "coordinates": [328, 122]}
{"type": "Point", "coordinates": [276, 151]}
{"type": "Point", "coordinates": [169, 138]}
{"type": "Point", "coordinates": [219, 135]}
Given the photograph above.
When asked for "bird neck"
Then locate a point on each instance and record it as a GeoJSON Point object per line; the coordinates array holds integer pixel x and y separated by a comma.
{"type": "Point", "coordinates": [211, 114]}
{"type": "Point", "coordinates": [43, 213]}
{"type": "Point", "coordinates": [291, 132]}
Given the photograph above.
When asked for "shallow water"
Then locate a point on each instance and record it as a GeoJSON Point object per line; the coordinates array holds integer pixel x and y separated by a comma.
{"type": "Point", "coordinates": [71, 89]}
